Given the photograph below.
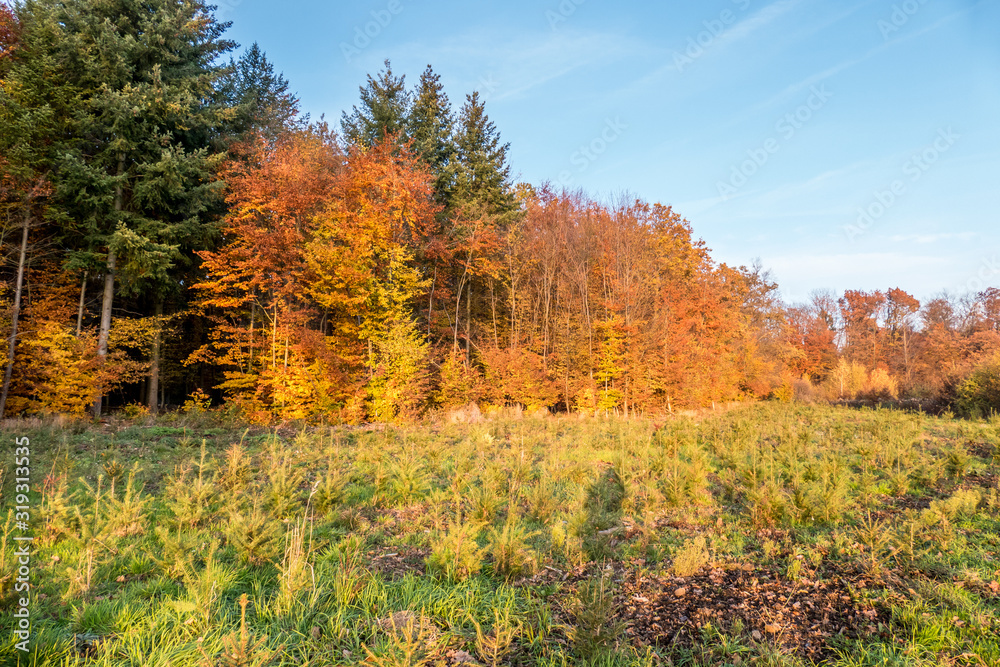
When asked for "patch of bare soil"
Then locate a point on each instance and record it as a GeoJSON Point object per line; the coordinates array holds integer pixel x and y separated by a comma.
{"type": "Point", "coordinates": [800, 616]}
{"type": "Point", "coordinates": [984, 450]}
{"type": "Point", "coordinates": [397, 562]}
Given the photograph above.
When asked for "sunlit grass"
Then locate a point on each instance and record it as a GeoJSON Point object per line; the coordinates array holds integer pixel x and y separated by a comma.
{"type": "Point", "coordinates": [502, 541]}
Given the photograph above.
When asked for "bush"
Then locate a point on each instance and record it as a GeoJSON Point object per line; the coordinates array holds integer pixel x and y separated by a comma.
{"type": "Point", "coordinates": [880, 386]}
{"type": "Point", "coordinates": [691, 557]}
{"type": "Point", "coordinates": [979, 394]}
{"type": "Point", "coordinates": [519, 377]}
{"type": "Point", "coordinates": [455, 555]}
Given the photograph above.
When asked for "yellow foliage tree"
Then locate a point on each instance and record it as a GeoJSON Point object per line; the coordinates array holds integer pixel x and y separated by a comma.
{"type": "Point", "coordinates": [57, 372]}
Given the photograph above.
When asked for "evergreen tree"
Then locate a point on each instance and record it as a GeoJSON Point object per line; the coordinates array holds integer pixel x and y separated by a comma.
{"type": "Point", "coordinates": [260, 98]}
{"type": "Point", "coordinates": [30, 125]}
{"type": "Point", "coordinates": [481, 172]}
{"type": "Point", "coordinates": [430, 128]}
{"type": "Point", "coordinates": [385, 109]}
{"type": "Point", "coordinates": [134, 177]}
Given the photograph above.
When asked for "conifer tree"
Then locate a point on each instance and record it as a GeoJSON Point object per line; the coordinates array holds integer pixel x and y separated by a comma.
{"type": "Point", "coordinates": [384, 110]}
{"type": "Point", "coordinates": [133, 181]}
{"type": "Point", "coordinates": [29, 125]}
{"type": "Point", "coordinates": [482, 206]}
{"type": "Point", "coordinates": [481, 172]}
{"type": "Point", "coordinates": [430, 127]}
{"type": "Point", "coordinates": [259, 97]}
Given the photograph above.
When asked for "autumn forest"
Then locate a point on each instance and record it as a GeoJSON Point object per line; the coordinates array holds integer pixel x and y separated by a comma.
{"type": "Point", "coordinates": [288, 391]}
{"type": "Point", "coordinates": [176, 231]}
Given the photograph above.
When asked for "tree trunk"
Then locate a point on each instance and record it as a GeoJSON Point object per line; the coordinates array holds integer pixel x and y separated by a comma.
{"type": "Point", "coordinates": [430, 302]}
{"type": "Point", "coordinates": [274, 338]}
{"type": "Point", "coordinates": [15, 313]}
{"type": "Point", "coordinates": [253, 312]}
{"type": "Point", "coordinates": [493, 306]}
{"type": "Point", "coordinates": [79, 311]}
{"type": "Point", "coordinates": [109, 292]}
{"type": "Point", "coordinates": [468, 326]}
{"type": "Point", "coordinates": [458, 308]}
{"type": "Point", "coordinates": [153, 395]}
{"type": "Point", "coordinates": [102, 337]}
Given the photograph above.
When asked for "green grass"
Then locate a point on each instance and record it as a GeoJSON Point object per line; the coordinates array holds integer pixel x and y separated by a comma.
{"type": "Point", "coordinates": [188, 541]}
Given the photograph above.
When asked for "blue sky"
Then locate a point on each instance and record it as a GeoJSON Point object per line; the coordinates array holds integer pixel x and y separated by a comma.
{"type": "Point", "coordinates": [847, 145]}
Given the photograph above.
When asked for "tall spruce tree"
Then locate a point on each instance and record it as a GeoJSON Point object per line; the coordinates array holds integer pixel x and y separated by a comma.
{"type": "Point", "coordinates": [430, 126]}
{"type": "Point", "coordinates": [259, 97]}
{"type": "Point", "coordinates": [132, 172]}
{"type": "Point", "coordinates": [481, 180]}
{"type": "Point", "coordinates": [31, 118]}
{"type": "Point", "coordinates": [482, 207]}
{"type": "Point", "coordinates": [385, 109]}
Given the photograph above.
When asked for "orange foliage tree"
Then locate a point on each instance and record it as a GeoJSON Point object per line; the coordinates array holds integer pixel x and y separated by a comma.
{"type": "Point", "coordinates": [267, 334]}
{"type": "Point", "coordinates": [363, 273]}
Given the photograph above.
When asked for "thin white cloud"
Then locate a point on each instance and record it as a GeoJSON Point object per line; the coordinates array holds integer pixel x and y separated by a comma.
{"type": "Point", "coordinates": [794, 89]}
{"type": "Point", "coordinates": [738, 33]}
{"type": "Point", "coordinates": [757, 21]}
{"type": "Point", "coordinates": [923, 239]}
{"type": "Point", "coordinates": [510, 68]}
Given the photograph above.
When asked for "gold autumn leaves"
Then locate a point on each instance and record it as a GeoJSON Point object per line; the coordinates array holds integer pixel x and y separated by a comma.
{"type": "Point", "coordinates": [342, 289]}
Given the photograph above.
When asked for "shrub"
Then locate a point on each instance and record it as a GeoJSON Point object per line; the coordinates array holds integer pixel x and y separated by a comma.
{"type": "Point", "coordinates": [459, 384]}
{"type": "Point", "coordinates": [979, 394]}
{"type": "Point", "coordinates": [512, 556]}
{"type": "Point", "coordinates": [198, 401]}
{"type": "Point", "coordinates": [691, 557]}
{"type": "Point", "coordinates": [135, 411]}
{"type": "Point", "coordinates": [519, 377]}
{"type": "Point", "coordinates": [850, 380]}
{"type": "Point", "coordinates": [595, 629]}
{"type": "Point", "coordinates": [236, 471]}
{"type": "Point", "coordinates": [254, 535]}
{"type": "Point", "coordinates": [455, 555]}
{"type": "Point", "coordinates": [241, 649]}
{"type": "Point", "coordinates": [192, 500]}
{"type": "Point", "coordinates": [880, 386]}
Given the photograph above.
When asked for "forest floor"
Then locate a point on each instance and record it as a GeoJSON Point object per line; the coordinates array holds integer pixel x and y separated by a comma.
{"type": "Point", "coordinates": [767, 535]}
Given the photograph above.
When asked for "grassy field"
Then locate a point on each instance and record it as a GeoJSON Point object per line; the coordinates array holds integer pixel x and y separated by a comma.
{"type": "Point", "coordinates": [768, 535]}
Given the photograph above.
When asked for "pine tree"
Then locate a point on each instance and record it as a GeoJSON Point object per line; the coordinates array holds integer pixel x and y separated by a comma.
{"type": "Point", "coordinates": [385, 108]}
{"type": "Point", "coordinates": [134, 176]}
{"type": "Point", "coordinates": [481, 172]}
{"type": "Point", "coordinates": [260, 98]}
{"type": "Point", "coordinates": [430, 127]}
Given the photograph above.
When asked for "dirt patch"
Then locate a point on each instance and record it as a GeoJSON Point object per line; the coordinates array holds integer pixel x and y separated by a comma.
{"type": "Point", "coordinates": [984, 480]}
{"type": "Point", "coordinates": [396, 563]}
{"type": "Point", "coordinates": [983, 450]}
{"type": "Point", "coordinates": [799, 616]}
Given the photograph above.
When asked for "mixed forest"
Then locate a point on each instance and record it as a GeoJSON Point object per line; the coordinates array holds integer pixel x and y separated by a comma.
{"type": "Point", "coordinates": [176, 231]}
{"type": "Point", "coordinates": [285, 334]}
